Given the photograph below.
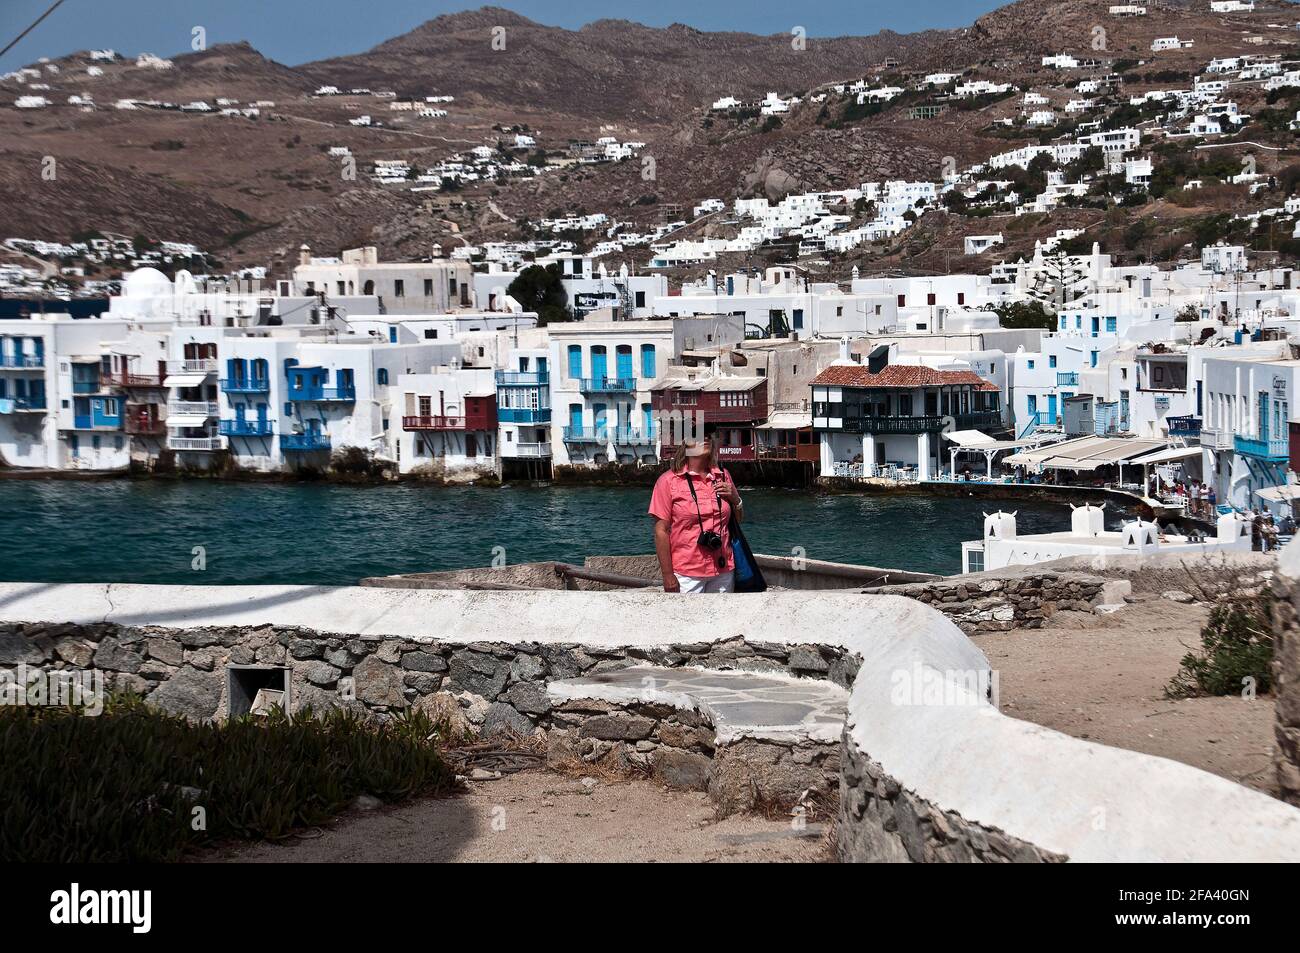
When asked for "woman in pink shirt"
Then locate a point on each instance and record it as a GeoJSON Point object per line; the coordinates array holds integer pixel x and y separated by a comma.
{"type": "Point", "coordinates": [692, 506]}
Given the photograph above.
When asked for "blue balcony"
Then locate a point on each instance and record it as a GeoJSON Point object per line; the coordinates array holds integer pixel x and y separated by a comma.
{"type": "Point", "coordinates": [628, 437]}
{"type": "Point", "coordinates": [1183, 426]}
{"type": "Point", "coordinates": [24, 361]}
{"type": "Point", "coordinates": [522, 415]}
{"type": "Point", "coordinates": [1067, 378]}
{"type": "Point", "coordinates": [95, 422]}
{"type": "Point", "coordinates": [86, 387]}
{"type": "Point", "coordinates": [304, 442]}
{"type": "Point", "coordinates": [246, 385]}
{"type": "Point", "coordinates": [1269, 449]}
{"type": "Point", "coordinates": [247, 428]}
{"type": "Point", "coordinates": [607, 385]}
{"type": "Point", "coordinates": [523, 378]}
{"type": "Point", "coordinates": [28, 403]}
{"type": "Point", "coordinates": [586, 435]}
{"type": "Point", "coordinates": [324, 395]}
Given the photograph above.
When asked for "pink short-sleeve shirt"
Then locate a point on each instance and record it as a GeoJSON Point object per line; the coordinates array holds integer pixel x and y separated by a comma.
{"type": "Point", "coordinates": [671, 501]}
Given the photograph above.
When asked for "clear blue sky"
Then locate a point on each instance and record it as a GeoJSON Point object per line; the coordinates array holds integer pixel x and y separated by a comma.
{"type": "Point", "coordinates": [296, 31]}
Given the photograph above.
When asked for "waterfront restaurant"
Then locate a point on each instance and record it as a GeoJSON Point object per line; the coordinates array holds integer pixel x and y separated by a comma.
{"type": "Point", "coordinates": [729, 408]}
{"type": "Point", "coordinates": [884, 421]}
{"type": "Point", "coordinates": [1090, 459]}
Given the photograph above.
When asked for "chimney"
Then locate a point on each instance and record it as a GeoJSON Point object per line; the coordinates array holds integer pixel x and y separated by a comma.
{"type": "Point", "coordinates": [304, 254]}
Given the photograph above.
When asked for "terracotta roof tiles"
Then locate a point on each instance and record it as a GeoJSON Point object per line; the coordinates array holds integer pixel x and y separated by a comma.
{"type": "Point", "coordinates": [898, 375]}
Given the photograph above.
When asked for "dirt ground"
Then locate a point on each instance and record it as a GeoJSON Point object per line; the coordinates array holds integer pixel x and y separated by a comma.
{"type": "Point", "coordinates": [1101, 677]}
{"type": "Point", "coordinates": [539, 816]}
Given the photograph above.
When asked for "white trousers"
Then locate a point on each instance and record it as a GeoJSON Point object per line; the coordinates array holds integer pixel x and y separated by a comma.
{"type": "Point", "coordinates": [723, 582]}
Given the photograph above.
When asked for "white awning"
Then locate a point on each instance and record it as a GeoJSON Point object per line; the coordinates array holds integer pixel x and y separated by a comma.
{"type": "Point", "coordinates": [184, 380]}
{"type": "Point", "coordinates": [969, 438]}
{"type": "Point", "coordinates": [786, 420]}
{"type": "Point", "coordinates": [1085, 453]}
{"type": "Point", "coordinates": [187, 420]}
{"type": "Point", "coordinates": [1278, 494]}
{"type": "Point", "coordinates": [1168, 455]}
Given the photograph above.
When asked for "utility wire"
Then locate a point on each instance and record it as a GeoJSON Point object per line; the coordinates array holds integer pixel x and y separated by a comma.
{"type": "Point", "coordinates": [14, 41]}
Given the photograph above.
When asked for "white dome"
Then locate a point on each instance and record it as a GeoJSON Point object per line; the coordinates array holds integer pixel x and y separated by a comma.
{"type": "Point", "coordinates": [146, 283]}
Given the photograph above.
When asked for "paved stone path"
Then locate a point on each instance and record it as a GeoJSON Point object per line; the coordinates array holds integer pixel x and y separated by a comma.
{"type": "Point", "coordinates": [740, 704]}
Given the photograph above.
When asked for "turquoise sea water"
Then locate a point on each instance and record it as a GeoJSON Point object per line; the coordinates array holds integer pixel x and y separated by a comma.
{"type": "Point", "coordinates": [145, 531]}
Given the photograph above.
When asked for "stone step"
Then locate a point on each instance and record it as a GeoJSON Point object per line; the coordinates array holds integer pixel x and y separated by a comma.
{"type": "Point", "coordinates": [751, 739]}
{"type": "Point", "coordinates": [738, 704]}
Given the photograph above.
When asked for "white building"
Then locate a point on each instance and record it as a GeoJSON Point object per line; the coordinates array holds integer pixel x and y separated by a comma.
{"type": "Point", "coordinates": [1003, 546]}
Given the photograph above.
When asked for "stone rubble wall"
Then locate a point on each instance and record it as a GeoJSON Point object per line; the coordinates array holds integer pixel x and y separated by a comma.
{"type": "Point", "coordinates": [679, 747]}
{"type": "Point", "coordinates": [497, 685]}
{"type": "Point", "coordinates": [1286, 682]}
{"type": "Point", "coordinates": [998, 603]}
{"type": "Point", "coordinates": [925, 780]}
{"type": "Point", "coordinates": [881, 822]}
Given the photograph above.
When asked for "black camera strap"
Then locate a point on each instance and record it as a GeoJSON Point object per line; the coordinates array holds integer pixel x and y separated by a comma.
{"type": "Point", "coordinates": [698, 515]}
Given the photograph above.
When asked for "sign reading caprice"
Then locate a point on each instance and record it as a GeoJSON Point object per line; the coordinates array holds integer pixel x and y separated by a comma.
{"type": "Point", "coordinates": [75, 906]}
{"type": "Point", "coordinates": [922, 685]}
{"type": "Point", "coordinates": [25, 685]}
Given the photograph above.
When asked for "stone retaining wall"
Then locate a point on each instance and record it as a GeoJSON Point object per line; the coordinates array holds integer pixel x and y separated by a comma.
{"type": "Point", "coordinates": [1286, 679]}
{"type": "Point", "coordinates": [926, 776]}
{"type": "Point", "coordinates": [999, 602]}
{"type": "Point", "coordinates": [679, 747]}
{"type": "Point", "coordinates": [880, 822]}
{"type": "Point", "coordinates": [498, 685]}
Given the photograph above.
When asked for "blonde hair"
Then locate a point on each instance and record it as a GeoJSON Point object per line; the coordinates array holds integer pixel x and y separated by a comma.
{"type": "Point", "coordinates": [679, 458]}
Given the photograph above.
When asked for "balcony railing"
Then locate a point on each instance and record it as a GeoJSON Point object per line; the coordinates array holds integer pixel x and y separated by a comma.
{"type": "Point", "coordinates": [29, 403]}
{"type": "Point", "coordinates": [926, 424]}
{"type": "Point", "coordinates": [523, 378]}
{"type": "Point", "coordinates": [434, 423]}
{"type": "Point", "coordinates": [586, 435]}
{"type": "Point", "coordinates": [198, 365]}
{"type": "Point", "coordinates": [1067, 378]}
{"type": "Point", "coordinates": [526, 450]}
{"type": "Point", "coordinates": [200, 444]}
{"type": "Point", "coordinates": [304, 442]}
{"type": "Point", "coordinates": [86, 387]}
{"type": "Point", "coordinates": [524, 415]}
{"type": "Point", "coordinates": [626, 437]}
{"type": "Point", "coordinates": [245, 385]}
{"type": "Point", "coordinates": [247, 428]}
{"type": "Point", "coordinates": [607, 385]}
{"type": "Point", "coordinates": [88, 422]}
{"type": "Point", "coordinates": [125, 379]}
{"type": "Point", "coordinates": [738, 413]}
{"type": "Point", "coordinates": [324, 395]}
{"type": "Point", "coordinates": [1272, 449]}
{"type": "Point", "coordinates": [141, 425]}
{"type": "Point", "coordinates": [1183, 426]}
{"type": "Point", "coordinates": [198, 408]}
{"type": "Point", "coordinates": [23, 361]}
{"type": "Point", "coordinates": [1218, 439]}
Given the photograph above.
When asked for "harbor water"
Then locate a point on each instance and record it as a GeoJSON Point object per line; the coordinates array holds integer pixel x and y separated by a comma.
{"type": "Point", "coordinates": [207, 532]}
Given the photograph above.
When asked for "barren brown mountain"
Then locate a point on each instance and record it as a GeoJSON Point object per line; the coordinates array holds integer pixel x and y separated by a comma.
{"type": "Point", "coordinates": [252, 190]}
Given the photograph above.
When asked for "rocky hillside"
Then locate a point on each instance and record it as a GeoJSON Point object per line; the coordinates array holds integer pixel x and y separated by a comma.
{"type": "Point", "coordinates": [251, 190]}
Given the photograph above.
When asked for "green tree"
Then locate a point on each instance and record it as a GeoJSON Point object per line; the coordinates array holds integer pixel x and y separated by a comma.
{"type": "Point", "coordinates": [1024, 314]}
{"type": "Point", "coordinates": [538, 288]}
{"type": "Point", "coordinates": [1057, 284]}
